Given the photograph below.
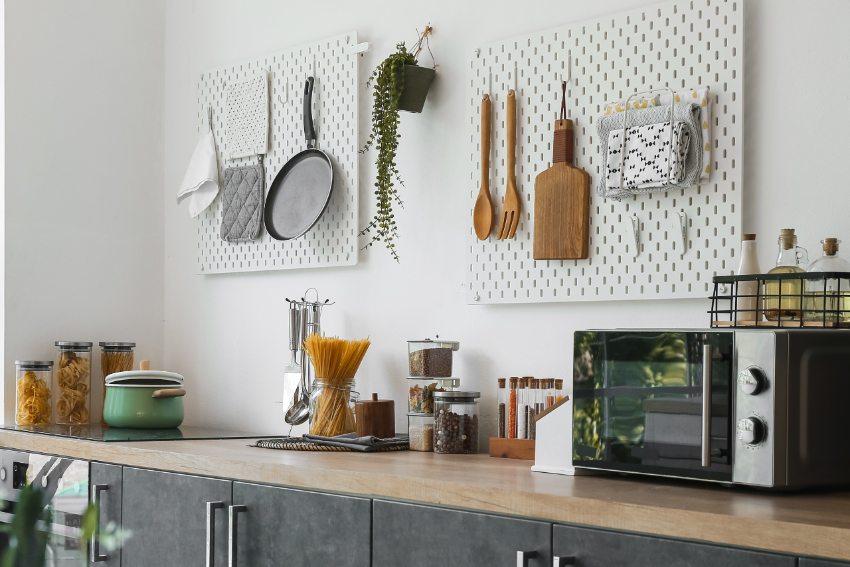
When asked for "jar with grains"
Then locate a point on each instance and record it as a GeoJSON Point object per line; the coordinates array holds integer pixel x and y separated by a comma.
{"type": "Point", "coordinates": [114, 357]}
{"type": "Point", "coordinates": [431, 358]}
{"type": "Point", "coordinates": [32, 391]}
{"type": "Point", "coordinates": [420, 431]}
{"type": "Point", "coordinates": [72, 383]}
{"type": "Point", "coordinates": [456, 422]}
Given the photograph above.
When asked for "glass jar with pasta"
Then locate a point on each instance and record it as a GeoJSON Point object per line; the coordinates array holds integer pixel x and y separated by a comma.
{"type": "Point", "coordinates": [72, 383]}
{"type": "Point", "coordinates": [32, 391]}
{"type": "Point", "coordinates": [114, 357]}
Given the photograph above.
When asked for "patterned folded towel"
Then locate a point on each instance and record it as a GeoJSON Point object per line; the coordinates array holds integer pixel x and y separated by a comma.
{"type": "Point", "coordinates": [648, 154]}
{"type": "Point", "coordinates": [686, 113]}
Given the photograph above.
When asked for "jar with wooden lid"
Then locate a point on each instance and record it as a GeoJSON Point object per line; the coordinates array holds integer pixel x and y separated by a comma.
{"type": "Point", "coordinates": [72, 383]}
{"type": "Point", "coordinates": [33, 380]}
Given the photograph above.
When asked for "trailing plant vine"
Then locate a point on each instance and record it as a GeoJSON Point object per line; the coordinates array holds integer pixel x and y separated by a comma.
{"type": "Point", "coordinates": [387, 81]}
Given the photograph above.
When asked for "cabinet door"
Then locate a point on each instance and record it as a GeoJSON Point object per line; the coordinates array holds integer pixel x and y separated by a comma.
{"type": "Point", "coordinates": [106, 486]}
{"type": "Point", "coordinates": [599, 548]}
{"type": "Point", "coordinates": [296, 528]}
{"type": "Point", "coordinates": [423, 536]}
{"type": "Point", "coordinates": [167, 514]}
{"type": "Point", "coordinates": [806, 562]}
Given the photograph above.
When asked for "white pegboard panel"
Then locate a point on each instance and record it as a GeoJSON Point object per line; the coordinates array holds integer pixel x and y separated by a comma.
{"type": "Point", "coordinates": [679, 44]}
{"type": "Point", "coordinates": [333, 241]}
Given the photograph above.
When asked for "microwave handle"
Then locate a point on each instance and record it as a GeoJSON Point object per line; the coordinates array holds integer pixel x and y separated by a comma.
{"type": "Point", "coordinates": [706, 405]}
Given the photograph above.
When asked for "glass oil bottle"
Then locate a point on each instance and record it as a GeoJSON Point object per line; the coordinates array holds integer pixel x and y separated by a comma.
{"type": "Point", "coordinates": [828, 300]}
{"type": "Point", "coordinates": [783, 299]}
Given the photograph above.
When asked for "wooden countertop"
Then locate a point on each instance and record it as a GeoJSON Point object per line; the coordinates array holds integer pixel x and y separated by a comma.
{"type": "Point", "coordinates": [813, 524]}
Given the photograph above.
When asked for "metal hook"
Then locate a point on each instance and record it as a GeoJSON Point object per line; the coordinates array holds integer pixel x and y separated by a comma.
{"type": "Point", "coordinates": [569, 68]}
{"type": "Point", "coordinates": [683, 230]}
{"type": "Point", "coordinates": [636, 233]}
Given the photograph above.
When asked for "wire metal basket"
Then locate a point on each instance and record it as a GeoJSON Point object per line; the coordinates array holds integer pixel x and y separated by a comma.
{"type": "Point", "coordinates": [801, 299]}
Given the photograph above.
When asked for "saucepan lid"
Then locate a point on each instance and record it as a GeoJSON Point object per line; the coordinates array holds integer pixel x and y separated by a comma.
{"type": "Point", "coordinates": [145, 379]}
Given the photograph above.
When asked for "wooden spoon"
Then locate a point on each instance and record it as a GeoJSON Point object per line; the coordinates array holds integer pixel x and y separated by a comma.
{"type": "Point", "coordinates": [482, 215]}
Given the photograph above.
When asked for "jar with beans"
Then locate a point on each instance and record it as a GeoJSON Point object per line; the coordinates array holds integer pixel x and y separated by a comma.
{"type": "Point", "coordinates": [456, 422]}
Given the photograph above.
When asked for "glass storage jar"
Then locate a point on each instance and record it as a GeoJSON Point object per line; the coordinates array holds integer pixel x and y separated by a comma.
{"type": "Point", "coordinates": [72, 383]}
{"type": "Point", "coordinates": [420, 431]}
{"type": "Point", "coordinates": [115, 357]}
{"type": "Point", "coordinates": [456, 422]}
{"type": "Point", "coordinates": [32, 391]}
{"type": "Point", "coordinates": [332, 408]}
{"type": "Point", "coordinates": [431, 359]}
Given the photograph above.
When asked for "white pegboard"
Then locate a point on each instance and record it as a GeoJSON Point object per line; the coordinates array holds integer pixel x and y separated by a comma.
{"type": "Point", "coordinates": [333, 240]}
{"type": "Point", "coordinates": [679, 44]}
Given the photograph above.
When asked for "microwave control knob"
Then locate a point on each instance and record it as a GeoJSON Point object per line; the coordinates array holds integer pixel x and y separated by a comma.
{"type": "Point", "coordinates": [751, 430]}
{"type": "Point", "coordinates": [752, 380]}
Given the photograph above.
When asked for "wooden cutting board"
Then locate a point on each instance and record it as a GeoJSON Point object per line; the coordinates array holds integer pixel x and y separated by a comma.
{"type": "Point", "coordinates": [562, 203]}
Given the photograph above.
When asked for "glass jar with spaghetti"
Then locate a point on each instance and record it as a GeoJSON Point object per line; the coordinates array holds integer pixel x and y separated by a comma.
{"type": "Point", "coordinates": [32, 391]}
{"type": "Point", "coordinates": [114, 357]}
{"type": "Point", "coordinates": [72, 383]}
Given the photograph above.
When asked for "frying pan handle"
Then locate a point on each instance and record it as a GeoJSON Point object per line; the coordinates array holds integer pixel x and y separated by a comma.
{"type": "Point", "coordinates": [309, 130]}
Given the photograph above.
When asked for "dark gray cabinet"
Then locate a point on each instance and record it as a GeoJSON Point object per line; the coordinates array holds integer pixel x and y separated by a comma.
{"type": "Point", "coordinates": [167, 513]}
{"type": "Point", "coordinates": [107, 488]}
{"type": "Point", "coordinates": [806, 562]}
{"type": "Point", "coordinates": [297, 528]}
{"type": "Point", "coordinates": [424, 536]}
{"type": "Point", "coordinates": [600, 548]}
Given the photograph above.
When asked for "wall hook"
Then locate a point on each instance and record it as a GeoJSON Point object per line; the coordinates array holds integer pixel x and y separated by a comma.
{"type": "Point", "coordinates": [683, 230]}
{"type": "Point", "coordinates": [636, 233]}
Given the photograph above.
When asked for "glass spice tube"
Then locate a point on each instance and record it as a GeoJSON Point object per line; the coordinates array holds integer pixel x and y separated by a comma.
{"type": "Point", "coordinates": [114, 357]}
{"type": "Point", "coordinates": [559, 390]}
{"type": "Point", "coordinates": [522, 408]}
{"type": "Point", "coordinates": [512, 408]}
{"type": "Point", "coordinates": [501, 400]}
{"type": "Point", "coordinates": [550, 394]}
{"type": "Point", "coordinates": [529, 406]}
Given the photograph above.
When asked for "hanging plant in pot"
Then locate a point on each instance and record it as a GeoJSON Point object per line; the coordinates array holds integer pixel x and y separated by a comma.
{"type": "Point", "coordinates": [399, 83]}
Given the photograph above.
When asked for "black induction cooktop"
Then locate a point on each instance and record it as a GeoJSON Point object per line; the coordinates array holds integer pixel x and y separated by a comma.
{"type": "Point", "coordinates": [103, 433]}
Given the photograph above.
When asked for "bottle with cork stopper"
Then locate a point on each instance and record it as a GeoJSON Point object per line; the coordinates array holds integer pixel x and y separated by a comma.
{"type": "Point", "coordinates": [828, 300]}
{"type": "Point", "coordinates": [783, 298]}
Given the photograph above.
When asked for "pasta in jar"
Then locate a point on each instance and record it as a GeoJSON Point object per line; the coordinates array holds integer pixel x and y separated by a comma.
{"type": "Point", "coordinates": [32, 398]}
{"type": "Point", "coordinates": [73, 384]}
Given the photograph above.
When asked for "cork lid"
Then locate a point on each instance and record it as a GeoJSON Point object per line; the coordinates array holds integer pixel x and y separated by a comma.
{"type": "Point", "coordinates": [787, 238]}
{"type": "Point", "coordinates": [748, 237]}
{"type": "Point", "coordinates": [830, 246]}
{"type": "Point", "coordinates": [501, 382]}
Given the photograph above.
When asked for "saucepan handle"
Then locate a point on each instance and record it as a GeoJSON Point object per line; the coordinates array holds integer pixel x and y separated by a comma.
{"type": "Point", "coordinates": [168, 393]}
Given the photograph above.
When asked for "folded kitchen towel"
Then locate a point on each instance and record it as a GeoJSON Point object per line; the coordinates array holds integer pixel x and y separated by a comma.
{"type": "Point", "coordinates": [650, 161]}
{"type": "Point", "coordinates": [200, 182]}
{"type": "Point", "coordinates": [686, 113]}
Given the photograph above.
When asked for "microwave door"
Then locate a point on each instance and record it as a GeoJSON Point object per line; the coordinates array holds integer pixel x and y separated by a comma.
{"type": "Point", "coordinates": [639, 402]}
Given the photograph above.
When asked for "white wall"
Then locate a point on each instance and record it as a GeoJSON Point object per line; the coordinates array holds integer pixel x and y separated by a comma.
{"type": "Point", "coordinates": [84, 229]}
{"type": "Point", "coordinates": [228, 333]}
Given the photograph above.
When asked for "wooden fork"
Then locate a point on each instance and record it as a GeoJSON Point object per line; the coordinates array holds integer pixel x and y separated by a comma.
{"type": "Point", "coordinates": [512, 206]}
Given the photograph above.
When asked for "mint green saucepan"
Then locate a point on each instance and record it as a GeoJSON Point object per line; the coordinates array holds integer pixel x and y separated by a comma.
{"type": "Point", "coordinates": [144, 399]}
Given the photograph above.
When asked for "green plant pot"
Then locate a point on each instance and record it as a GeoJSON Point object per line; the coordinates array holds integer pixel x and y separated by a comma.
{"type": "Point", "coordinates": [417, 82]}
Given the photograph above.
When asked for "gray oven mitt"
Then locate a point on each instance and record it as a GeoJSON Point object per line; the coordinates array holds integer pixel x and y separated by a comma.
{"type": "Point", "coordinates": [242, 203]}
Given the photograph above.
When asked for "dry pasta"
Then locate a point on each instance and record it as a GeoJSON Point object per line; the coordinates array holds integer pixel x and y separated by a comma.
{"type": "Point", "coordinates": [112, 361]}
{"type": "Point", "coordinates": [72, 396]}
{"type": "Point", "coordinates": [33, 400]}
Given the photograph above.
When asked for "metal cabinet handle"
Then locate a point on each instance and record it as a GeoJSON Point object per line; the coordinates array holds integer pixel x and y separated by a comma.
{"type": "Point", "coordinates": [96, 556]}
{"type": "Point", "coordinates": [562, 561]}
{"type": "Point", "coordinates": [706, 405]}
{"type": "Point", "coordinates": [522, 557]}
{"type": "Point", "coordinates": [211, 508]}
{"type": "Point", "coordinates": [233, 532]}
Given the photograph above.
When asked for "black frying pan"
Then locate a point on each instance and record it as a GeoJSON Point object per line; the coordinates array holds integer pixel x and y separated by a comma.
{"type": "Point", "coordinates": [301, 190]}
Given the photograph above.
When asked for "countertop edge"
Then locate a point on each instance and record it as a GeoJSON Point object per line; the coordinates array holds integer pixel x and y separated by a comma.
{"type": "Point", "coordinates": [763, 534]}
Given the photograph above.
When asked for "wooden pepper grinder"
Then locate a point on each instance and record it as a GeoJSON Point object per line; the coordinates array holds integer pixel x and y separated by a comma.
{"type": "Point", "coordinates": [375, 417]}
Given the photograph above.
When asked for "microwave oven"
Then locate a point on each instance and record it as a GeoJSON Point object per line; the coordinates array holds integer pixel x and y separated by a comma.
{"type": "Point", "coordinates": [763, 408]}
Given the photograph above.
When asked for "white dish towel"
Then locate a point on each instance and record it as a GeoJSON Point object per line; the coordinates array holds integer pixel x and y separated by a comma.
{"type": "Point", "coordinates": [200, 182]}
